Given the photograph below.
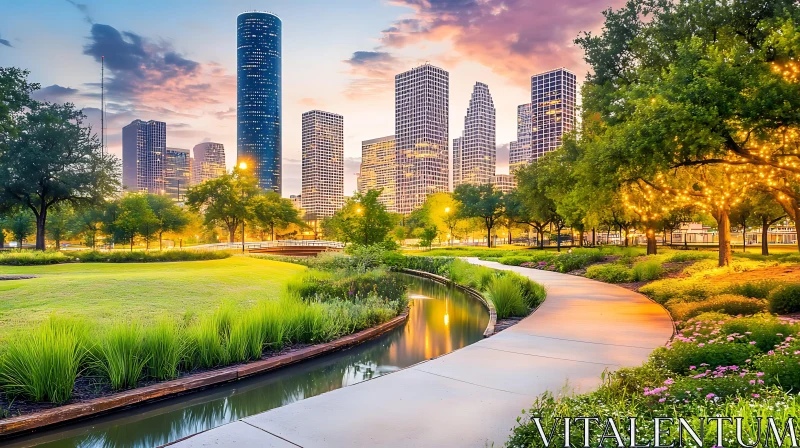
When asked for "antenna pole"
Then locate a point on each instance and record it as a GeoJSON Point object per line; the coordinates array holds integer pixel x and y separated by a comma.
{"type": "Point", "coordinates": [102, 105]}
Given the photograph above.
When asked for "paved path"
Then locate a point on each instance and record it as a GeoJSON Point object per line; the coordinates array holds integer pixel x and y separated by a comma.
{"type": "Point", "coordinates": [472, 397]}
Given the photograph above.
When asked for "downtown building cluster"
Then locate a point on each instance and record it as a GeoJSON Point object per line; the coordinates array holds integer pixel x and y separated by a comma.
{"type": "Point", "coordinates": [150, 166]}
{"type": "Point", "coordinates": [408, 166]}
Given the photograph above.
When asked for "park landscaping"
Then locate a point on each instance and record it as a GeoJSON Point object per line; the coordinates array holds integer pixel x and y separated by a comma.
{"type": "Point", "coordinates": [83, 330]}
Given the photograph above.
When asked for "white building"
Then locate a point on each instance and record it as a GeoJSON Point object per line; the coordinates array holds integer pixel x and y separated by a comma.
{"type": "Point", "coordinates": [208, 162]}
{"type": "Point", "coordinates": [323, 163]}
{"type": "Point", "coordinates": [478, 152]}
{"type": "Point", "coordinates": [177, 173]}
{"type": "Point", "coordinates": [144, 154]}
{"type": "Point", "coordinates": [421, 135]}
{"type": "Point", "coordinates": [553, 110]}
{"type": "Point", "coordinates": [378, 169]}
{"type": "Point", "coordinates": [519, 151]}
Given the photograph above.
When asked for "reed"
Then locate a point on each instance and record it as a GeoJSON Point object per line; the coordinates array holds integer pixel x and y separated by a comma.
{"type": "Point", "coordinates": [120, 355]}
{"type": "Point", "coordinates": [165, 346]}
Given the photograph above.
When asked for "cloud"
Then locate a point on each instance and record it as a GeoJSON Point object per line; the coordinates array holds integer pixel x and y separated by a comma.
{"type": "Point", "coordinates": [6, 43]}
{"type": "Point", "coordinates": [308, 102]}
{"type": "Point", "coordinates": [372, 73]}
{"type": "Point", "coordinates": [352, 164]}
{"type": "Point", "coordinates": [226, 114]}
{"type": "Point", "coordinates": [148, 72]}
{"type": "Point", "coordinates": [55, 94]}
{"type": "Point", "coordinates": [515, 38]}
{"type": "Point", "coordinates": [84, 9]}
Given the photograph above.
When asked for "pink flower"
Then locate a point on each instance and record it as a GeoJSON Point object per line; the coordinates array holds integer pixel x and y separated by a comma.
{"type": "Point", "coordinates": [752, 342]}
{"type": "Point", "coordinates": [710, 396]}
{"type": "Point", "coordinates": [701, 345]}
{"type": "Point", "coordinates": [756, 395]}
{"type": "Point", "coordinates": [668, 381]}
{"type": "Point", "coordinates": [747, 360]}
{"type": "Point", "coordinates": [752, 381]}
{"type": "Point", "coordinates": [661, 400]}
{"type": "Point", "coordinates": [692, 367]}
{"type": "Point", "coordinates": [760, 374]}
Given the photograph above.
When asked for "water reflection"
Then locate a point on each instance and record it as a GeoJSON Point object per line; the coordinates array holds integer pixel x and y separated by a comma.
{"type": "Point", "coordinates": [441, 320]}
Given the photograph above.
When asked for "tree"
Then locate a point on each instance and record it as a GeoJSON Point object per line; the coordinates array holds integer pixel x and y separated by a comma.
{"type": "Point", "coordinates": [169, 216]}
{"type": "Point", "coordinates": [21, 226]}
{"type": "Point", "coordinates": [134, 218]}
{"type": "Point", "coordinates": [539, 210]}
{"type": "Point", "coordinates": [58, 227]}
{"type": "Point", "coordinates": [15, 91]}
{"type": "Point", "coordinates": [484, 202]}
{"type": "Point", "coordinates": [224, 201]}
{"type": "Point", "coordinates": [272, 211]}
{"type": "Point", "coordinates": [427, 235]}
{"type": "Point", "coordinates": [86, 223]}
{"type": "Point", "coordinates": [373, 224]}
{"type": "Point", "coordinates": [55, 159]}
{"type": "Point", "coordinates": [767, 212]}
{"type": "Point", "coordinates": [695, 99]}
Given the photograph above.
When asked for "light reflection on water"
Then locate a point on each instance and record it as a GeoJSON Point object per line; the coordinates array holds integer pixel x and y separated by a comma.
{"type": "Point", "coordinates": [443, 321]}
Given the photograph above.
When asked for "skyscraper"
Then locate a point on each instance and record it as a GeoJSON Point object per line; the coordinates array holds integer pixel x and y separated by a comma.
{"type": "Point", "coordinates": [177, 173]}
{"type": "Point", "coordinates": [457, 146]}
{"type": "Point", "coordinates": [504, 182]}
{"type": "Point", "coordinates": [421, 134]}
{"type": "Point", "coordinates": [208, 162]}
{"type": "Point", "coordinates": [378, 169]}
{"type": "Point", "coordinates": [553, 105]}
{"type": "Point", "coordinates": [258, 85]}
{"type": "Point", "coordinates": [519, 152]}
{"type": "Point", "coordinates": [478, 143]}
{"type": "Point", "coordinates": [144, 147]}
{"type": "Point", "coordinates": [323, 163]}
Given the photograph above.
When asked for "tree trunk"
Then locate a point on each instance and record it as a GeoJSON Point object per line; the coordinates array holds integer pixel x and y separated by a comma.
{"type": "Point", "coordinates": [764, 234]}
{"type": "Point", "coordinates": [41, 219]}
{"type": "Point", "coordinates": [58, 243]}
{"type": "Point", "coordinates": [627, 233]}
{"type": "Point", "coordinates": [131, 243]}
{"type": "Point", "coordinates": [724, 224]}
{"type": "Point", "coordinates": [488, 236]}
{"type": "Point", "coordinates": [652, 248]}
{"type": "Point", "coordinates": [580, 238]}
{"type": "Point", "coordinates": [160, 244]}
{"type": "Point", "coordinates": [272, 232]}
{"type": "Point", "coordinates": [232, 234]}
{"type": "Point", "coordinates": [558, 239]}
{"type": "Point", "coordinates": [509, 234]}
{"type": "Point", "coordinates": [594, 237]}
{"type": "Point", "coordinates": [744, 239]}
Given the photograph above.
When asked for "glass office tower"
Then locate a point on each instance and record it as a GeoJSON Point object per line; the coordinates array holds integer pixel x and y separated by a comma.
{"type": "Point", "coordinates": [258, 85]}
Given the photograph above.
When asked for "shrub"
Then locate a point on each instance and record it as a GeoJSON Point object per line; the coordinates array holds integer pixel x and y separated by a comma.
{"type": "Point", "coordinates": [691, 289]}
{"type": "Point", "coordinates": [30, 258]}
{"type": "Point", "coordinates": [765, 330]}
{"type": "Point", "coordinates": [758, 290]}
{"type": "Point", "coordinates": [246, 339]}
{"type": "Point", "coordinates": [140, 256]}
{"type": "Point", "coordinates": [121, 356]}
{"type": "Point", "coordinates": [164, 346]}
{"type": "Point", "coordinates": [533, 294]}
{"type": "Point", "coordinates": [578, 259]}
{"type": "Point", "coordinates": [726, 303]}
{"type": "Point", "coordinates": [610, 273]}
{"type": "Point", "coordinates": [506, 295]}
{"type": "Point", "coordinates": [781, 369]}
{"type": "Point", "coordinates": [785, 299]}
{"type": "Point", "coordinates": [688, 255]}
{"type": "Point", "coordinates": [513, 260]}
{"type": "Point", "coordinates": [205, 344]}
{"type": "Point", "coordinates": [433, 265]}
{"type": "Point", "coordinates": [647, 271]}
{"type": "Point", "coordinates": [468, 274]}
{"type": "Point", "coordinates": [43, 363]}
{"type": "Point", "coordinates": [683, 355]}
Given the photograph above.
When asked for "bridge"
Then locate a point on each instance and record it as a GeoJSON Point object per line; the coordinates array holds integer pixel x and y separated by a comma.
{"type": "Point", "coordinates": [295, 248]}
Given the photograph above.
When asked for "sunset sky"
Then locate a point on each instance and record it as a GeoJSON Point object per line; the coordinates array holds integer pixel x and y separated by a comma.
{"type": "Point", "coordinates": [175, 61]}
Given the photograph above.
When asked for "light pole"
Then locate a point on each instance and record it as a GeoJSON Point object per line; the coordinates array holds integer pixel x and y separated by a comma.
{"type": "Point", "coordinates": [242, 167]}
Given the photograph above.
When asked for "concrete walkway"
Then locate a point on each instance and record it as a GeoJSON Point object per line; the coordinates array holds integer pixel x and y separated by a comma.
{"type": "Point", "coordinates": [473, 396]}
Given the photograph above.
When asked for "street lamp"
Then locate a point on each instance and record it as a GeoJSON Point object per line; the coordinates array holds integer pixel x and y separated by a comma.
{"type": "Point", "coordinates": [242, 166]}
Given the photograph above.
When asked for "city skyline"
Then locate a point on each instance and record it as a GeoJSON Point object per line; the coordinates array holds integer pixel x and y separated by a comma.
{"type": "Point", "coordinates": [196, 92]}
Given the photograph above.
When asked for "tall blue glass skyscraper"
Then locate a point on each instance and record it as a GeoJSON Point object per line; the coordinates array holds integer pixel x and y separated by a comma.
{"type": "Point", "coordinates": [258, 85]}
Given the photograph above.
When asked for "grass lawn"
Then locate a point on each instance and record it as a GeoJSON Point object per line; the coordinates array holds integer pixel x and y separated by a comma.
{"type": "Point", "coordinates": [106, 292]}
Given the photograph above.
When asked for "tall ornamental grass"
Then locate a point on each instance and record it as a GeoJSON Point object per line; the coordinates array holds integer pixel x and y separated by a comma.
{"type": "Point", "coordinates": [505, 293]}
{"type": "Point", "coordinates": [43, 363]}
{"type": "Point", "coordinates": [164, 346]}
{"type": "Point", "coordinates": [121, 356]}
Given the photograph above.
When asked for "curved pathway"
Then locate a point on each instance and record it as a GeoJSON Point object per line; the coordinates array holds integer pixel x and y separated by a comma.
{"type": "Point", "coordinates": [472, 397]}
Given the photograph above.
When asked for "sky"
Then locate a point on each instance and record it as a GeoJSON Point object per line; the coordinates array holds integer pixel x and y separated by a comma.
{"type": "Point", "coordinates": [175, 61]}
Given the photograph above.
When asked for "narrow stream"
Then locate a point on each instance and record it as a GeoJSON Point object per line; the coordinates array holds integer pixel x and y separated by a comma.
{"type": "Point", "coordinates": [442, 319]}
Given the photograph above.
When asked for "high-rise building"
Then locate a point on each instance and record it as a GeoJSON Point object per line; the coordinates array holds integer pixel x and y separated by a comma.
{"type": "Point", "coordinates": [378, 169]}
{"type": "Point", "coordinates": [177, 173]}
{"type": "Point", "coordinates": [422, 105]}
{"type": "Point", "coordinates": [144, 147]}
{"type": "Point", "coordinates": [504, 182]}
{"type": "Point", "coordinates": [208, 162]}
{"type": "Point", "coordinates": [553, 109]}
{"type": "Point", "coordinates": [478, 151]}
{"type": "Point", "coordinates": [457, 146]}
{"type": "Point", "coordinates": [258, 85]}
{"type": "Point", "coordinates": [519, 152]}
{"type": "Point", "coordinates": [323, 163]}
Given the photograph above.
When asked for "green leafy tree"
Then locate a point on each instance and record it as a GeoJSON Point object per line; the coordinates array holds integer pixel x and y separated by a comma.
{"type": "Point", "coordinates": [135, 219]}
{"type": "Point", "coordinates": [539, 210]}
{"type": "Point", "coordinates": [481, 201]}
{"type": "Point", "coordinates": [271, 211]}
{"type": "Point", "coordinates": [224, 201]}
{"type": "Point", "coordinates": [362, 220]}
{"type": "Point", "coordinates": [55, 159]}
{"type": "Point", "coordinates": [767, 212]}
{"type": "Point", "coordinates": [20, 225]}
{"type": "Point", "coordinates": [15, 91]}
{"type": "Point", "coordinates": [58, 226]}
{"type": "Point", "coordinates": [426, 236]}
{"type": "Point", "coordinates": [169, 216]}
{"type": "Point", "coordinates": [86, 224]}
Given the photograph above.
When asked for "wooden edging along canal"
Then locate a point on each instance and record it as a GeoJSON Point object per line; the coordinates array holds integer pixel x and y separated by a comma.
{"type": "Point", "coordinates": [469, 291]}
{"type": "Point", "coordinates": [91, 408]}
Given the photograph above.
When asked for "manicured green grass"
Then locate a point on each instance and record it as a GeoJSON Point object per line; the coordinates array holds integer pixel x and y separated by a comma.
{"type": "Point", "coordinates": [105, 293]}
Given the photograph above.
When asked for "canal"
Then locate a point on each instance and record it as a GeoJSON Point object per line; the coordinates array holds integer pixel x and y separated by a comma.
{"type": "Point", "coordinates": [442, 319]}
